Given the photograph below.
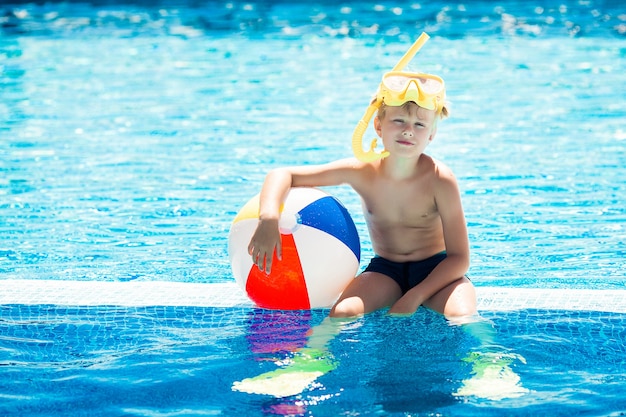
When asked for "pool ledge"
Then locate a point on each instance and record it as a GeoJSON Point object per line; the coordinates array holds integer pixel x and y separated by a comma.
{"type": "Point", "coordinates": [162, 293]}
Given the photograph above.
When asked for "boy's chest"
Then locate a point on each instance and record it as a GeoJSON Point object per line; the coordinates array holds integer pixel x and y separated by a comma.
{"type": "Point", "coordinates": [411, 204]}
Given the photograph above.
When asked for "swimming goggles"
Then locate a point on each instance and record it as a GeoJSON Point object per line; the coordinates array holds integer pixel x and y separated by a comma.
{"type": "Point", "coordinates": [396, 88]}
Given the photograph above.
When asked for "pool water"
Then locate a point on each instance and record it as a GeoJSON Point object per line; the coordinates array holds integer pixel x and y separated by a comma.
{"type": "Point", "coordinates": [152, 361]}
{"type": "Point", "coordinates": [132, 132]}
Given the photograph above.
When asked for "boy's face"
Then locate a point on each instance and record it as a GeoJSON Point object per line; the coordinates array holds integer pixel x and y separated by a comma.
{"type": "Point", "coordinates": [406, 130]}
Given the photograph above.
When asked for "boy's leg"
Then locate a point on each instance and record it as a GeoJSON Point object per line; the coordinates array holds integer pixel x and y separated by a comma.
{"type": "Point", "coordinates": [297, 372]}
{"type": "Point", "coordinates": [492, 376]}
{"type": "Point", "coordinates": [368, 292]}
{"type": "Point", "coordinates": [456, 300]}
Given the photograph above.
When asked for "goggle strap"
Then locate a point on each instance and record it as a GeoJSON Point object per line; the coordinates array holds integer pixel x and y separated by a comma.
{"type": "Point", "coordinates": [357, 137]}
{"type": "Point", "coordinates": [414, 49]}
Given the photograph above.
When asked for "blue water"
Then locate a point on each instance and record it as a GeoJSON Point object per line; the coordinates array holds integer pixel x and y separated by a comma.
{"type": "Point", "coordinates": [131, 133]}
{"type": "Point", "coordinates": [154, 361]}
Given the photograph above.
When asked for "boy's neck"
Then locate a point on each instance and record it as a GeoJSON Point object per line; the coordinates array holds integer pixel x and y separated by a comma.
{"type": "Point", "coordinates": [400, 168]}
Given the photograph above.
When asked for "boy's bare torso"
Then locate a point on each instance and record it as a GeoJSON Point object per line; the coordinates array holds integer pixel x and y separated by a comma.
{"type": "Point", "coordinates": [402, 216]}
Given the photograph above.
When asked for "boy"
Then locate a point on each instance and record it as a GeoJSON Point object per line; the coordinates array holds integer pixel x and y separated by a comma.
{"type": "Point", "coordinates": [413, 211]}
{"type": "Point", "coordinates": [411, 204]}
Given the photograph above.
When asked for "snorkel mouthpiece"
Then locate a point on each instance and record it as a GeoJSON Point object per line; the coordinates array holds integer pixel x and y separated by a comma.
{"type": "Point", "coordinates": [412, 93]}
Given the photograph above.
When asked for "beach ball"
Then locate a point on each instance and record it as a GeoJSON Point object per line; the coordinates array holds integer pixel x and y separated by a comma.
{"type": "Point", "coordinates": [321, 252]}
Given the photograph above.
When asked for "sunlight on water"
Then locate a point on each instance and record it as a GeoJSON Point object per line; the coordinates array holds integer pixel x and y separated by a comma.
{"type": "Point", "coordinates": [131, 133]}
{"type": "Point", "coordinates": [127, 155]}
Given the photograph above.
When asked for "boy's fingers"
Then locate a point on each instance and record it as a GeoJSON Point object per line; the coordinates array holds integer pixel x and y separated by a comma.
{"type": "Point", "coordinates": [268, 265]}
{"type": "Point", "coordinates": [279, 251]}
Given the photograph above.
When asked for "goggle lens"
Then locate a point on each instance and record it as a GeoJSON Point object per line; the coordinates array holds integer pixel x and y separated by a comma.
{"type": "Point", "coordinates": [399, 83]}
{"type": "Point", "coordinates": [428, 90]}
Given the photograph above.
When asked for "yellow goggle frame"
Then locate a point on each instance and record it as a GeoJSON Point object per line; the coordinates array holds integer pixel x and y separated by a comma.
{"type": "Point", "coordinates": [396, 88]}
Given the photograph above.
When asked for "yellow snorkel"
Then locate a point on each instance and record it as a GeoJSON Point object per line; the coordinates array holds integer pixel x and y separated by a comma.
{"type": "Point", "coordinates": [414, 87]}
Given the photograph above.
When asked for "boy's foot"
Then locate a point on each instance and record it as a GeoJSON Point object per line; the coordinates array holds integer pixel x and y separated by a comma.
{"type": "Point", "coordinates": [302, 370]}
{"type": "Point", "coordinates": [279, 383]}
{"type": "Point", "coordinates": [494, 379]}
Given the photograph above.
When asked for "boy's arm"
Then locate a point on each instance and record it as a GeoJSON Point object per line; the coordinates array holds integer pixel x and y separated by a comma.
{"type": "Point", "coordinates": [456, 263]}
{"type": "Point", "coordinates": [266, 237]}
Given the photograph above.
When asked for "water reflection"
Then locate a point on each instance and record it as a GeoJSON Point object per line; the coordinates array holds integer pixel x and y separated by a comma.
{"type": "Point", "coordinates": [411, 364]}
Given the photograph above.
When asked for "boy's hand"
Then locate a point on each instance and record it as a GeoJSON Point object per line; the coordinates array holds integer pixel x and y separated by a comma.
{"type": "Point", "coordinates": [265, 240]}
{"type": "Point", "coordinates": [406, 305]}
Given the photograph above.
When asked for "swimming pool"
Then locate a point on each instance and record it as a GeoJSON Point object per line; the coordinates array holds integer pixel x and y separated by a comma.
{"type": "Point", "coordinates": [132, 132]}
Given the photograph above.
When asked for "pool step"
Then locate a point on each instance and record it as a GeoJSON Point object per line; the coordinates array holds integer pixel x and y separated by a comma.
{"type": "Point", "coordinates": [163, 293]}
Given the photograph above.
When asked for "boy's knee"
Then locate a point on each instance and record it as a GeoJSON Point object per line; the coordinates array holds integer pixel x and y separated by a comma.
{"type": "Point", "coordinates": [457, 300]}
{"type": "Point", "coordinates": [346, 308]}
{"type": "Point", "coordinates": [462, 302]}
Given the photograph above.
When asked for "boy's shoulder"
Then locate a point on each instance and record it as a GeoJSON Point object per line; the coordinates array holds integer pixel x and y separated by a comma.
{"type": "Point", "coordinates": [433, 163]}
{"type": "Point", "coordinates": [354, 164]}
{"type": "Point", "coordinates": [439, 169]}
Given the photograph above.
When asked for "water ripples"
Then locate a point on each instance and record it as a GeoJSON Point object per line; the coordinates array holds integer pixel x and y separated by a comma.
{"type": "Point", "coordinates": [125, 152]}
{"type": "Point", "coordinates": [263, 18]}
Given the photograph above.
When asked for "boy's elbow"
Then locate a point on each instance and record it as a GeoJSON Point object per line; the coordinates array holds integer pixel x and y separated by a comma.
{"type": "Point", "coordinates": [462, 263]}
{"type": "Point", "coordinates": [465, 265]}
{"type": "Point", "coordinates": [465, 262]}
{"type": "Point", "coordinates": [276, 172]}
{"type": "Point", "coordinates": [279, 176]}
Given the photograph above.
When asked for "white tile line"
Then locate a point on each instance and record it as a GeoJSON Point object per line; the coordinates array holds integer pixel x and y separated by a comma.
{"type": "Point", "coordinates": [133, 293]}
{"type": "Point", "coordinates": [507, 298]}
{"type": "Point", "coordinates": [163, 293]}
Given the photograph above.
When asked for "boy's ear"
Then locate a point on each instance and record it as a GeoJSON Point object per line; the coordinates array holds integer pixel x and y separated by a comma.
{"type": "Point", "coordinates": [377, 127]}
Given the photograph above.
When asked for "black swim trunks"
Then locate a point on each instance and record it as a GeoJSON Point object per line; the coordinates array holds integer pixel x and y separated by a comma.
{"type": "Point", "coordinates": [406, 274]}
